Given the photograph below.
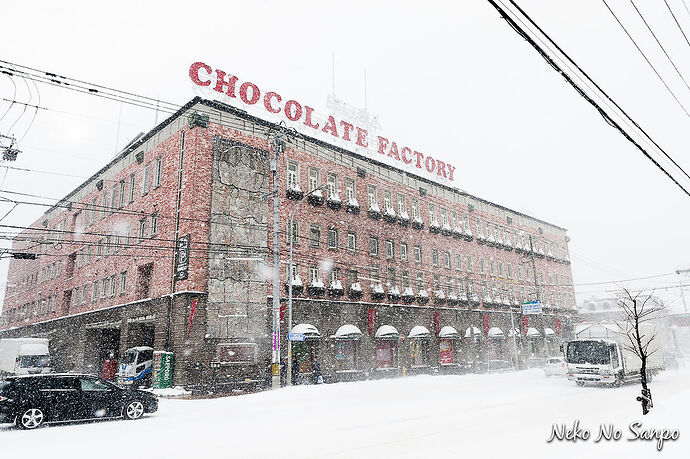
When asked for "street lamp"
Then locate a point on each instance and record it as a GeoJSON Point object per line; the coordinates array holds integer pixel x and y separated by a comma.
{"type": "Point", "coordinates": [290, 278]}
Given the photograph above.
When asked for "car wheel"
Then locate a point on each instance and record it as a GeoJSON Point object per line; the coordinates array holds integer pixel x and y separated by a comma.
{"type": "Point", "coordinates": [580, 383]}
{"type": "Point", "coordinates": [30, 418]}
{"type": "Point", "coordinates": [134, 410]}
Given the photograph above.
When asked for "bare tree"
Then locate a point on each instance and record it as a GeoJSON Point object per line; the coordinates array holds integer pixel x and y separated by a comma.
{"type": "Point", "coordinates": [636, 312]}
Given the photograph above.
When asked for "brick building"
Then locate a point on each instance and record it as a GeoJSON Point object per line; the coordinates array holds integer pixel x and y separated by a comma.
{"type": "Point", "coordinates": [391, 269]}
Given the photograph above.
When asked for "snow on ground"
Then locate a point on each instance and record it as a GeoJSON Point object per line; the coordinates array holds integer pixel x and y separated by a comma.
{"type": "Point", "coordinates": [493, 415]}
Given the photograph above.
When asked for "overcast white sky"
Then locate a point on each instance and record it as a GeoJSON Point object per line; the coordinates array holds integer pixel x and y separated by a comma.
{"type": "Point", "coordinates": [449, 78]}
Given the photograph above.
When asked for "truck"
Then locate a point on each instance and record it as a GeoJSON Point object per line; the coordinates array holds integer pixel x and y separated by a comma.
{"type": "Point", "coordinates": [22, 356]}
{"type": "Point", "coordinates": [599, 354]}
{"type": "Point", "coordinates": [136, 368]}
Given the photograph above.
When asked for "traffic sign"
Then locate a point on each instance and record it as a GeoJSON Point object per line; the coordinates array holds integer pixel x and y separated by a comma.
{"type": "Point", "coordinates": [296, 337]}
{"type": "Point", "coordinates": [531, 307]}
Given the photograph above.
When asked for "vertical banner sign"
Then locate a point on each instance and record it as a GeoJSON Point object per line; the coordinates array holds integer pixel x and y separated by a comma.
{"type": "Point", "coordinates": [525, 325]}
{"type": "Point", "coordinates": [283, 308]}
{"type": "Point", "coordinates": [559, 327]}
{"type": "Point", "coordinates": [195, 301]}
{"type": "Point", "coordinates": [486, 322]}
{"type": "Point", "coordinates": [437, 322]}
{"type": "Point", "coordinates": [182, 258]}
{"type": "Point", "coordinates": [371, 315]}
{"type": "Point", "coordinates": [446, 349]}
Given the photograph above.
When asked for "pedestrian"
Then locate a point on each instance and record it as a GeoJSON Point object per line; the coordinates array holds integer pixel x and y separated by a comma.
{"type": "Point", "coordinates": [316, 371]}
{"type": "Point", "coordinates": [268, 374]}
{"type": "Point", "coordinates": [295, 371]}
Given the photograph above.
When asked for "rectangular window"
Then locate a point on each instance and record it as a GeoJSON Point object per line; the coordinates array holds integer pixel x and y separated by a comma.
{"type": "Point", "coordinates": [333, 238]}
{"type": "Point", "coordinates": [142, 229]}
{"type": "Point", "coordinates": [132, 179]}
{"type": "Point", "coordinates": [157, 172]}
{"type": "Point", "coordinates": [293, 175]}
{"type": "Point", "coordinates": [106, 249]}
{"type": "Point", "coordinates": [94, 291]}
{"type": "Point", "coordinates": [104, 209]}
{"type": "Point", "coordinates": [402, 205]}
{"type": "Point", "coordinates": [113, 199]}
{"type": "Point", "coordinates": [500, 269]}
{"type": "Point", "coordinates": [444, 217]}
{"type": "Point", "coordinates": [446, 260]}
{"type": "Point", "coordinates": [417, 254]}
{"type": "Point", "coordinates": [121, 195]}
{"type": "Point", "coordinates": [147, 180]}
{"type": "Point", "coordinates": [509, 270]}
{"type": "Point", "coordinates": [387, 202]}
{"type": "Point", "coordinates": [113, 285]}
{"type": "Point", "coordinates": [458, 262]}
{"type": "Point", "coordinates": [420, 280]}
{"type": "Point", "coordinates": [123, 282]}
{"type": "Point", "coordinates": [403, 251]}
{"type": "Point", "coordinates": [481, 266]}
{"type": "Point", "coordinates": [84, 293]}
{"type": "Point", "coordinates": [154, 224]}
{"type": "Point", "coordinates": [104, 287]}
{"type": "Point", "coordinates": [437, 282]}
{"type": "Point", "coordinates": [389, 249]}
{"type": "Point", "coordinates": [432, 214]}
{"type": "Point", "coordinates": [332, 184]}
{"type": "Point", "coordinates": [313, 179]}
{"type": "Point", "coordinates": [405, 279]}
{"type": "Point", "coordinates": [350, 194]}
{"type": "Point", "coordinates": [373, 245]}
{"type": "Point", "coordinates": [373, 201]}
{"type": "Point", "coordinates": [94, 211]}
{"type": "Point", "coordinates": [314, 274]}
{"type": "Point", "coordinates": [468, 263]}
{"type": "Point", "coordinates": [414, 206]}
{"type": "Point", "coordinates": [352, 241]}
{"type": "Point", "coordinates": [454, 219]}
{"type": "Point", "coordinates": [434, 257]}
{"type": "Point", "coordinates": [314, 236]}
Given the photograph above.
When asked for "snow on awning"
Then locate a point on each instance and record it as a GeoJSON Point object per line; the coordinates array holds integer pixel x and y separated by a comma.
{"type": "Point", "coordinates": [533, 332]}
{"type": "Point", "coordinates": [472, 331]}
{"type": "Point", "coordinates": [515, 333]}
{"type": "Point", "coordinates": [549, 332]}
{"type": "Point", "coordinates": [309, 330]}
{"type": "Point", "coordinates": [348, 331]}
{"type": "Point", "coordinates": [419, 332]}
{"type": "Point", "coordinates": [495, 332]}
{"type": "Point", "coordinates": [387, 332]}
{"type": "Point", "coordinates": [448, 332]}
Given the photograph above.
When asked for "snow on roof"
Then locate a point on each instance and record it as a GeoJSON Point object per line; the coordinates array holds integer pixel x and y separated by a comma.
{"type": "Point", "coordinates": [419, 331]}
{"type": "Point", "coordinates": [495, 332]}
{"type": "Point", "coordinates": [309, 330]}
{"type": "Point", "coordinates": [448, 332]}
{"type": "Point", "coordinates": [348, 331]}
{"type": "Point", "coordinates": [387, 331]}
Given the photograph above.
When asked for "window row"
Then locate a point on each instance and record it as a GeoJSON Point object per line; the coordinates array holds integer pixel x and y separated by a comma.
{"type": "Point", "coordinates": [106, 287]}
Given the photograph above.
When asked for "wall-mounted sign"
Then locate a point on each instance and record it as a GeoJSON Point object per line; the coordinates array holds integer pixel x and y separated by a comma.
{"type": "Point", "coordinates": [182, 258]}
{"type": "Point", "coordinates": [249, 93]}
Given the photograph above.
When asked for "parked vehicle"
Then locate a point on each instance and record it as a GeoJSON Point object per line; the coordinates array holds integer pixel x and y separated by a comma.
{"type": "Point", "coordinates": [136, 367]}
{"type": "Point", "coordinates": [555, 366]}
{"type": "Point", "coordinates": [600, 355]}
{"type": "Point", "coordinates": [31, 401]}
{"type": "Point", "coordinates": [21, 356]}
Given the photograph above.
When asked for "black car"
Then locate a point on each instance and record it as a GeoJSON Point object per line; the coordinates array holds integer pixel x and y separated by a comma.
{"type": "Point", "coordinates": [33, 400]}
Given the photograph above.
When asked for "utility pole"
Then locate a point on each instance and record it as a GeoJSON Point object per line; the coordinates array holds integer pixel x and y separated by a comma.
{"type": "Point", "coordinates": [680, 284]}
{"type": "Point", "coordinates": [278, 147]}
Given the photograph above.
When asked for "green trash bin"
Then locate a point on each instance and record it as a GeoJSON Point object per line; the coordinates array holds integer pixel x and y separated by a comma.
{"type": "Point", "coordinates": [162, 369]}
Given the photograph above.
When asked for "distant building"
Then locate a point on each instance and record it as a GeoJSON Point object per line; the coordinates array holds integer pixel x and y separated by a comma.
{"type": "Point", "coordinates": [164, 247]}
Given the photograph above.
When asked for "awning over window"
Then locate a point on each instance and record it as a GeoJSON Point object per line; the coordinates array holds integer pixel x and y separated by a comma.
{"type": "Point", "coordinates": [387, 332]}
{"type": "Point", "coordinates": [495, 332]}
{"type": "Point", "coordinates": [309, 330]}
{"type": "Point", "coordinates": [419, 332]}
{"type": "Point", "coordinates": [549, 332]}
{"type": "Point", "coordinates": [348, 331]}
{"type": "Point", "coordinates": [448, 332]}
{"type": "Point", "coordinates": [533, 332]}
{"type": "Point", "coordinates": [472, 331]}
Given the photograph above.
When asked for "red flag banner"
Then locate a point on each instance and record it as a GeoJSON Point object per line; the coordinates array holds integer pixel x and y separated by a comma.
{"type": "Point", "coordinates": [371, 315]}
{"type": "Point", "coordinates": [559, 327]}
{"type": "Point", "coordinates": [525, 325]}
{"type": "Point", "coordinates": [486, 321]}
{"type": "Point", "coordinates": [437, 322]}
{"type": "Point", "coordinates": [195, 301]}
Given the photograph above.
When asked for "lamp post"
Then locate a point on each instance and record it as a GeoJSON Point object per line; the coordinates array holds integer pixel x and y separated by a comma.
{"type": "Point", "coordinates": [290, 278]}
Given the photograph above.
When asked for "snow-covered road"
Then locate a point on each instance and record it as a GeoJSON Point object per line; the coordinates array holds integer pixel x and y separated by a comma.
{"type": "Point", "coordinates": [494, 415]}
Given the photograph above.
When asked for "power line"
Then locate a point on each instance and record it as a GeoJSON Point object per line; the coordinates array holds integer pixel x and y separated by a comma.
{"type": "Point", "coordinates": [659, 43]}
{"type": "Point", "coordinates": [677, 23]}
{"type": "Point", "coordinates": [646, 59]}
{"type": "Point", "coordinates": [596, 85]}
{"type": "Point", "coordinates": [606, 117]}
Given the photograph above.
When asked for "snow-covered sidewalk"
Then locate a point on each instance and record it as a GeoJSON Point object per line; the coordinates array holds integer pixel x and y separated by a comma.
{"type": "Point", "coordinates": [493, 415]}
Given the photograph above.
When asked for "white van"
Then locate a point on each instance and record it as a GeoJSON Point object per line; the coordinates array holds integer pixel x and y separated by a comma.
{"type": "Point", "coordinates": [23, 356]}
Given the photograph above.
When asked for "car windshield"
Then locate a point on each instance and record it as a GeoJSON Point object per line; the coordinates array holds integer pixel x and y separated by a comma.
{"type": "Point", "coordinates": [34, 361]}
{"type": "Point", "coordinates": [130, 357]}
{"type": "Point", "coordinates": [592, 352]}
